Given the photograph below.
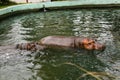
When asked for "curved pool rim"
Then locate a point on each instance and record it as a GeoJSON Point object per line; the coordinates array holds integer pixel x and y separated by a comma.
{"type": "Point", "coordinates": [5, 12]}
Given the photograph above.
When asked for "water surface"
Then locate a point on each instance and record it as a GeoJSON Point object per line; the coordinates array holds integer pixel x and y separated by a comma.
{"type": "Point", "coordinates": [59, 64]}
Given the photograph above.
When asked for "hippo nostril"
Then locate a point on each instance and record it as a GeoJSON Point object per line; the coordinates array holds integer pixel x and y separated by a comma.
{"type": "Point", "coordinates": [103, 47]}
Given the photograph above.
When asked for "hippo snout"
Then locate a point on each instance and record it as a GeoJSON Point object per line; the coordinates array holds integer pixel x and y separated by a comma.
{"type": "Point", "coordinates": [99, 46]}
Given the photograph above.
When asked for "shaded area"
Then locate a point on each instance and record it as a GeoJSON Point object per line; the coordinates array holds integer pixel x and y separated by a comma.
{"type": "Point", "coordinates": [53, 67]}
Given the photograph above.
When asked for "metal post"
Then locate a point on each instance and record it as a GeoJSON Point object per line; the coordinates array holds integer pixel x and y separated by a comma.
{"type": "Point", "coordinates": [26, 1]}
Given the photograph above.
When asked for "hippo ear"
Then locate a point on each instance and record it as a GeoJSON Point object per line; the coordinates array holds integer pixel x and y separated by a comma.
{"type": "Point", "coordinates": [36, 43]}
{"type": "Point", "coordinates": [95, 40]}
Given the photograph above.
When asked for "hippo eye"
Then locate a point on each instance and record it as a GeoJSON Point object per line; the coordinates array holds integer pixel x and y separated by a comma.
{"type": "Point", "coordinates": [89, 43]}
{"type": "Point", "coordinates": [93, 42]}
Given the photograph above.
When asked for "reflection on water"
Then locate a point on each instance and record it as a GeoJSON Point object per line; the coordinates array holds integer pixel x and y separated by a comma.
{"type": "Point", "coordinates": [49, 64]}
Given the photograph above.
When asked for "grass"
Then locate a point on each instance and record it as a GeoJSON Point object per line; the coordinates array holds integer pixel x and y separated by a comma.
{"type": "Point", "coordinates": [7, 4]}
{"type": "Point", "coordinates": [4, 6]}
{"type": "Point", "coordinates": [12, 3]}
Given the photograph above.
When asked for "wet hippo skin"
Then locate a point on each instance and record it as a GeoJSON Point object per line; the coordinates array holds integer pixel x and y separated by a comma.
{"type": "Point", "coordinates": [64, 42]}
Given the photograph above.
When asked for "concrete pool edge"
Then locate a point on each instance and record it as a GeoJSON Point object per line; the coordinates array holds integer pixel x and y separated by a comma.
{"type": "Point", "coordinates": [57, 5]}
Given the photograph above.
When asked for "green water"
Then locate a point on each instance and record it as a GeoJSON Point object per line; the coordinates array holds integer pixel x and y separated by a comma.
{"type": "Point", "coordinates": [59, 64]}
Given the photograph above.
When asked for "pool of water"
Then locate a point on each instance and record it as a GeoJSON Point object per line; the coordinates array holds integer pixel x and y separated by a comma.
{"type": "Point", "coordinates": [60, 64]}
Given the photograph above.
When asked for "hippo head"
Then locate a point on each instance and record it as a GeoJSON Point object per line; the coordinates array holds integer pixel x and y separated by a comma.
{"type": "Point", "coordinates": [90, 44]}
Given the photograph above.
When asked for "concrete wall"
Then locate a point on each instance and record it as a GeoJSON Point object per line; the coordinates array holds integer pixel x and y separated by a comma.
{"type": "Point", "coordinates": [19, 1]}
{"type": "Point", "coordinates": [57, 5]}
{"type": "Point", "coordinates": [30, 1]}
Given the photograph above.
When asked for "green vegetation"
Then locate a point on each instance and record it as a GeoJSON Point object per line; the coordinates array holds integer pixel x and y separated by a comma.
{"type": "Point", "coordinates": [3, 6]}
{"type": "Point", "coordinates": [6, 3]}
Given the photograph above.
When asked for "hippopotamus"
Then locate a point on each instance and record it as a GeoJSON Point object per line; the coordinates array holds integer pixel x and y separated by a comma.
{"type": "Point", "coordinates": [63, 42]}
